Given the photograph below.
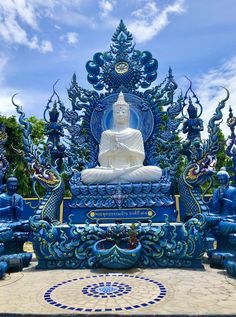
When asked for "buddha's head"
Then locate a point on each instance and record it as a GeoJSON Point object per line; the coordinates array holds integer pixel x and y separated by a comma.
{"type": "Point", "coordinates": [121, 111]}
{"type": "Point", "coordinates": [12, 184]}
{"type": "Point", "coordinates": [223, 177]}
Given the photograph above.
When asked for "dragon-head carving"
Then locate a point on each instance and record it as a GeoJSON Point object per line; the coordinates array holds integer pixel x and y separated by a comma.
{"type": "Point", "coordinates": [198, 173]}
{"type": "Point", "coordinates": [46, 176]}
{"type": "Point", "coordinates": [200, 169]}
{"type": "Point", "coordinates": [202, 154]}
{"type": "Point", "coordinates": [42, 171]}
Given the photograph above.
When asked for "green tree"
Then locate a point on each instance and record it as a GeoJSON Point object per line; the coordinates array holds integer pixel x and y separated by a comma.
{"type": "Point", "coordinates": [37, 133]}
{"type": "Point", "coordinates": [222, 158]}
{"type": "Point", "coordinates": [13, 147]}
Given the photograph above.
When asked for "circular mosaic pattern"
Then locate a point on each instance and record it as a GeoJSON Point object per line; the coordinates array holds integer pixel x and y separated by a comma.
{"type": "Point", "coordinates": [107, 289]}
{"type": "Point", "coordinates": [106, 292]}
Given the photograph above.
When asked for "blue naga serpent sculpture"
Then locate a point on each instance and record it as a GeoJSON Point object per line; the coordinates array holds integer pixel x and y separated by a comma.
{"type": "Point", "coordinates": [200, 168]}
{"type": "Point", "coordinates": [43, 172]}
{"type": "Point", "coordinates": [72, 247]}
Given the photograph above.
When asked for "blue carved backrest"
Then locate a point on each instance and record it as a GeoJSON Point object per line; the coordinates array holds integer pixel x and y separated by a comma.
{"type": "Point", "coordinates": [153, 111]}
{"type": "Point", "coordinates": [141, 117]}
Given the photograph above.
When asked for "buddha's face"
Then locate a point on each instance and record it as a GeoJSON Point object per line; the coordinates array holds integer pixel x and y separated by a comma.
{"type": "Point", "coordinates": [223, 179]}
{"type": "Point", "coordinates": [121, 114]}
{"type": "Point", "coordinates": [12, 187]}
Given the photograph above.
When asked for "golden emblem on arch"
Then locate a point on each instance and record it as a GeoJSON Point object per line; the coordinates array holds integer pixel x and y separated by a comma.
{"type": "Point", "coordinates": [121, 67]}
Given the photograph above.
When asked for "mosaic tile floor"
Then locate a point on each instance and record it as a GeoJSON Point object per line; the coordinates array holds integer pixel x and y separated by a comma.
{"type": "Point", "coordinates": [105, 293]}
{"type": "Point", "coordinates": [142, 292]}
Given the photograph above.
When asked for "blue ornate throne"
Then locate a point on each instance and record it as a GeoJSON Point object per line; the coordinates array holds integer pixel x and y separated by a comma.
{"type": "Point", "coordinates": [78, 242]}
{"type": "Point", "coordinates": [153, 112]}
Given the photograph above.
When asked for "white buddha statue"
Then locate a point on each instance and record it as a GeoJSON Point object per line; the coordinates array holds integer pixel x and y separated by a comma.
{"type": "Point", "coordinates": [121, 153]}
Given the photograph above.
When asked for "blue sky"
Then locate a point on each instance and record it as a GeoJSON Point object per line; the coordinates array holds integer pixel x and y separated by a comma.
{"type": "Point", "coordinates": [42, 41]}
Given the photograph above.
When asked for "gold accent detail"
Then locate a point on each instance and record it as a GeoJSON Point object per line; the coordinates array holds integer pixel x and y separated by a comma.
{"type": "Point", "coordinates": [150, 213]}
{"type": "Point", "coordinates": [61, 211]}
{"type": "Point", "coordinates": [125, 209]}
{"type": "Point", "coordinates": [92, 214]}
{"type": "Point", "coordinates": [177, 207]}
{"type": "Point", "coordinates": [121, 67]}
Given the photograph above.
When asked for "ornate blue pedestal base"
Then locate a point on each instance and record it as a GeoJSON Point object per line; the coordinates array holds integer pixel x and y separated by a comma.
{"type": "Point", "coordinates": [230, 265]}
{"type": "Point", "coordinates": [3, 268]}
{"type": "Point", "coordinates": [93, 246]}
{"type": "Point", "coordinates": [123, 202]}
{"type": "Point", "coordinates": [13, 235]}
{"type": "Point", "coordinates": [224, 256]}
{"type": "Point", "coordinates": [22, 258]}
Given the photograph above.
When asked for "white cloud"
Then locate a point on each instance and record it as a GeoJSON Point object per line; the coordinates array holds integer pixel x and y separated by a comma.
{"type": "Point", "coordinates": [16, 17]}
{"type": "Point", "coordinates": [23, 98]}
{"type": "Point", "coordinates": [106, 7]}
{"type": "Point", "coordinates": [208, 89]}
{"type": "Point", "coordinates": [72, 38]}
{"type": "Point", "coordinates": [150, 20]}
{"type": "Point", "coordinates": [3, 63]}
{"type": "Point", "coordinates": [57, 27]}
{"type": "Point", "coordinates": [5, 92]}
{"type": "Point", "coordinates": [46, 46]}
{"type": "Point", "coordinates": [21, 21]}
{"type": "Point", "coordinates": [149, 10]}
{"type": "Point", "coordinates": [21, 9]}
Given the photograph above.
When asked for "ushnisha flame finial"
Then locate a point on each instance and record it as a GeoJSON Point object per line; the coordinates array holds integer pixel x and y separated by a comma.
{"type": "Point", "coordinates": [120, 101]}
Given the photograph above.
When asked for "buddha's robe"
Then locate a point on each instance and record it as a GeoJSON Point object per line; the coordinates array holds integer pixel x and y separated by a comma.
{"type": "Point", "coordinates": [224, 201]}
{"type": "Point", "coordinates": [121, 156]}
{"type": "Point", "coordinates": [11, 207]}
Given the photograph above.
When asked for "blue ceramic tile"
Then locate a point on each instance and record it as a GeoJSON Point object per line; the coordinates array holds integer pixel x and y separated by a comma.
{"type": "Point", "coordinates": [106, 290]}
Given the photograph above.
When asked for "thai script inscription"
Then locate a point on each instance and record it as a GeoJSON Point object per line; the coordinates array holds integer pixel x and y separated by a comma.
{"type": "Point", "coordinates": [121, 213]}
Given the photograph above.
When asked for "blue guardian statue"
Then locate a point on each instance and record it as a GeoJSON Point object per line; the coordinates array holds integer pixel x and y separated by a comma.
{"type": "Point", "coordinates": [224, 229]}
{"type": "Point", "coordinates": [224, 197]}
{"type": "Point", "coordinates": [193, 125]}
{"type": "Point", "coordinates": [11, 203]}
{"type": "Point", "coordinates": [14, 231]}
